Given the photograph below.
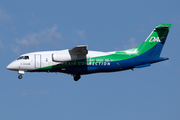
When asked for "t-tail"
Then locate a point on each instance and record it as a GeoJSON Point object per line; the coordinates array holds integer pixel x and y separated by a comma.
{"type": "Point", "coordinates": [154, 43]}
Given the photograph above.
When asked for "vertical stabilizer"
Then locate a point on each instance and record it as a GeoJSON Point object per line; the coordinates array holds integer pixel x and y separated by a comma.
{"type": "Point", "coordinates": [154, 43]}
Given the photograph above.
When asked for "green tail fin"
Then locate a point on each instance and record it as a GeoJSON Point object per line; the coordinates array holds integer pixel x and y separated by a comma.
{"type": "Point", "coordinates": [153, 45]}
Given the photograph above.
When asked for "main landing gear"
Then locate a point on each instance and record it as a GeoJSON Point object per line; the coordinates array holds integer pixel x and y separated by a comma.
{"type": "Point", "coordinates": [77, 77]}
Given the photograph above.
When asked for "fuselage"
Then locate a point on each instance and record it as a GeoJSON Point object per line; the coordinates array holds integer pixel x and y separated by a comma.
{"type": "Point", "coordinates": [95, 62]}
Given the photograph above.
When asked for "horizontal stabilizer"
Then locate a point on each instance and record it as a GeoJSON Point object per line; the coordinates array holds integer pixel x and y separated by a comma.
{"type": "Point", "coordinates": [141, 66]}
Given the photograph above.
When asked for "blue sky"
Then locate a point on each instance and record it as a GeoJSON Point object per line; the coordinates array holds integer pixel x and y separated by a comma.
{"type": "Point", "coordinates": [151, 93]}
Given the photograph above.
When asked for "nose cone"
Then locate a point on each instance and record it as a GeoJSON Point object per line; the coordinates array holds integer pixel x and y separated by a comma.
{"type": "Point", "coordinates": [8, 67]}
{"type": "Point", "coordinates": [12, 66]}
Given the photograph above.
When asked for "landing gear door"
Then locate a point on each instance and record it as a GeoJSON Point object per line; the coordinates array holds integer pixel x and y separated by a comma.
{"type": "Point", "coordinates": [37, 59]}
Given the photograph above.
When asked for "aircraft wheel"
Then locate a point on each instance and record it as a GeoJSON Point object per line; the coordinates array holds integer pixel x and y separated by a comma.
{"type": "Point", "coordinates": [20, 76]}
{"type": "Point", "coordinates": [77, 77]}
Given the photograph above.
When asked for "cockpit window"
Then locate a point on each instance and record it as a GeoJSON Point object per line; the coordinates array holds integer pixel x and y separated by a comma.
{"type": "Point", "coordinates": [20, 58]}
{"type": "Point", "coordinates": [27, 57]}
{"type": "Point", "coordinates": [23, 57]}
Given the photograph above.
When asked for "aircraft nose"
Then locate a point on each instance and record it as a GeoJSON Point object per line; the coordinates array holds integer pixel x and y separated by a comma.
{"type": "Point", "coordinates": [8, 67]}
{"type": "Point", "coordinates": [11, 66]}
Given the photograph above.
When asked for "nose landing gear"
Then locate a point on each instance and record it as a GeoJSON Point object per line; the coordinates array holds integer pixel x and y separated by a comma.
{"type": "Point", "coordinates": [20, 76]}
{"type": "Point", "coordinates": [21, 72]}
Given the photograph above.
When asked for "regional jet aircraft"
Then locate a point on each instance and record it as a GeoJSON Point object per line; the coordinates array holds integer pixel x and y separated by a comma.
{"type": "Point", "coordinates": [79, 61]}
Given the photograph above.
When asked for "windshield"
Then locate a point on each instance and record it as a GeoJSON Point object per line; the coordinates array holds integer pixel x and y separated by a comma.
{"type": "Point", "coordinates": [23, 57]}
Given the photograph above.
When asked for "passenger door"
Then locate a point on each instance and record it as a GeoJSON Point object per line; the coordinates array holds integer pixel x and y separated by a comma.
{"type": "Point", "coordinates": [37, 59]}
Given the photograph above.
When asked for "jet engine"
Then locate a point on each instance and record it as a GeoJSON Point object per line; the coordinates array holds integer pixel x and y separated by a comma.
{"type": "Point", "coordinates": [63, 56]}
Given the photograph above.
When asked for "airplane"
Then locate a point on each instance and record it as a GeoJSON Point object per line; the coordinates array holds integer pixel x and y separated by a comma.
{"type": "Point", "coordinates": [79, 60]}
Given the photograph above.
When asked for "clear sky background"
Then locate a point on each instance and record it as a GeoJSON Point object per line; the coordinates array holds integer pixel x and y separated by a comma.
{"type": "Point", "coordinates": [151, 93]}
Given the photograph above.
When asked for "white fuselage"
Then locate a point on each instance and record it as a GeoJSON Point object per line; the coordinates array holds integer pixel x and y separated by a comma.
{"type": "Point", "coordinates": [43, 59]}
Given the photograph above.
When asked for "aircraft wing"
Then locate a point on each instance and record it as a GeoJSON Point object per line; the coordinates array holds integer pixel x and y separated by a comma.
{"type": "Point", "coordinates": [79, 50]}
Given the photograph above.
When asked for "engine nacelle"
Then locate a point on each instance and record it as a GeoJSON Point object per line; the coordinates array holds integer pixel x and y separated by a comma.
{"type": "Point", "coordinates": [63, 56]}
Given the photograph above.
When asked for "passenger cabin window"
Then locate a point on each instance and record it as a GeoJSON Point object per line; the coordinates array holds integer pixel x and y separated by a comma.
{"type": "Point", "coordinates": [109, 60]}
{"type": "Point", "coordinates": [94, 60]}
{"type": "Point", "coordinates": [23, 57]}
{"type": "Point", "coordinates": [103, 60]}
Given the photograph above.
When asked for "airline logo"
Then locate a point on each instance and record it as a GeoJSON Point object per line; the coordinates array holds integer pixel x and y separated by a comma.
{"type": "Point", "coordinates": [154, 39]}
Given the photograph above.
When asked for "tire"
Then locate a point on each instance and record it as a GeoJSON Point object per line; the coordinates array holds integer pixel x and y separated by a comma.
{"type": "Point", "coordinates": [77, 77]}
{"type": "Point", "coordinates": [20, 76]}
